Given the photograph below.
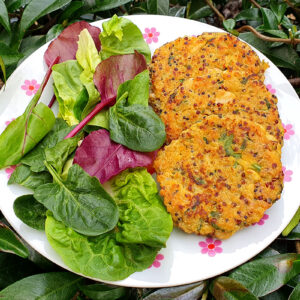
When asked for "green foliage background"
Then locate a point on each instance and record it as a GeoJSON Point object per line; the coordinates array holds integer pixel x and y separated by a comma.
{"type": "Point", "coordinates": [25, 25]}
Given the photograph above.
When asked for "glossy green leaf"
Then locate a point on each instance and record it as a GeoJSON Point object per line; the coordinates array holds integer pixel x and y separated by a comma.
{"type": "Point", "coordinates": [35, 158]}
{"type": "Point", "coordinates": [3, 69]}
{"type": "Point", "coordinates": [267, 252]}
{"type": "Point", "coordinates": [36, 9]}
{"type": "Point", "coordinates": [9, 56]}
{"type": "Point", "coordinates": [121, 36]}
{"type": "Point", "coordinates": [47, 286]}
{"type": "Point", "coordinates": [70, 10]}
{"type": "Point", "coordinates": [246, 4]}
{"type": "Point", "coordinates": [229, 24]}
{"type": "Point", "coordinates": [100, 291]}
{"type": "Point", "coordinates": [225, 288]}
{"type": "Point", "coordinates": [22, 134]}
{"type": "Point", "coordinates": [262, 276]}
{"type": "Point", "coordinates": [100, 120]}
{"type": "Point", "coordinates": [281, 294]}
{"type": "Point", "coordinates": [9, 242]}
{"type": "Point", "coordinates": [295, 295]}
{"type": "Point", "coordinates": [177, 11]}
{"type": "Point", "coordinates": [284, 56]}
{"type": "Point", "coordinates": [250, 14]}
{"type": "Point", "coordinates": [12, 5]}
{"type": "Point", "coordinates": [14, 268]}
{"type": "Point", "coordinates": [4, 19]}
{"type": "Point", "coordinates": [202, 11]}
{"type": "Point", "coordinates": [278, 33]}
{"type": "Point", "coordinates": [54, 32]}
{"type": "Point", "coordinates": [30, 212]}
{"type": "Point", "coordinates": [136, 126]}
{"type": "Point", "coordinates": [80, 201]}
{"type": "Point", "coordinates": [29, 179]}
{"type": "Point", "coordinates": [278, 9]}
{"type": "Point", "coordinates": [269, 19]}
{"type": "Point", "coordinates": [101, 256]}
{"type": "Point", "coordinates": [293, 223]}
{"type": "Point", "coordinates": [102, 5]}
{"type": "Point", "coordinates": [143, 217]}
{"type": "Point", "coordinates": [189, 292]}
{"type": "Point", "coordinates": [158, 7]}
{"type": "Point", "coordinates": [30, 44]}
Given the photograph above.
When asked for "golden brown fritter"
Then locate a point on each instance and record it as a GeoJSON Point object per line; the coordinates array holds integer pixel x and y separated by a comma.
{"type": "Point", "coordinates": [219, 176]}
{"type": "Point", "coordinates": [221, 93]}
{"type": "Point", "coordinates": [190, 57]}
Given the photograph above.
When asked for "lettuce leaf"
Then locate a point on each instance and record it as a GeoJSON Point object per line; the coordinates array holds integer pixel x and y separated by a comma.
{"type": "Point", "coordinates": [121, 36]}
{"type": "Point", "coordinates": [143, 217]}
{"type": "Point", "coordinates": [143, 228]}
{"type": "Point", "coordinates": [88, 58]}
{"type": "Point", "coordinates": [70, 93]}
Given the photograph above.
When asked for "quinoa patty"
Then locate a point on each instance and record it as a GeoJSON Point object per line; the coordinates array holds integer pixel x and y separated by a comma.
{"type": "Point", "coordinates": [220, 175]}
{"type": "Point", "coordinates": [221, 93]}
{"type": "Point", "coordinates": [190, 57]}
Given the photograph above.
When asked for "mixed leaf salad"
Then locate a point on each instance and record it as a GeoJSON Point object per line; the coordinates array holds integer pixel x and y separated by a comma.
{"type": "Point", "coordinates": [105, 132]}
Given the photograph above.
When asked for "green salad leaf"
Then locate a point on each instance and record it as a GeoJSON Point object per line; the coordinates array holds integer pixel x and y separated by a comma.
{"type": "Point", "coordinates": [121, 36]}
{"type": "Point", "coordinates": [36, 157]}
{"type": "Point", "coordinates": [70, 92]}
{"type": "Point", "coordinates": [30, 211]}
{"type": "Point", "coordinates": [88, 58]}
{"type": "Point", "coordinates": [29, 179]}
{"type": "Point", "coordinates": [143, 228]}
{"type": "Point", "coordinates": [79, 201]}
{"type": "Point", "coordinates": [143, 217]}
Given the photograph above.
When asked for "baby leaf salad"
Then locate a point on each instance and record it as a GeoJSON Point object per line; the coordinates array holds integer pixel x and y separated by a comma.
{"type": "Point", "coordinates": [105, 132]}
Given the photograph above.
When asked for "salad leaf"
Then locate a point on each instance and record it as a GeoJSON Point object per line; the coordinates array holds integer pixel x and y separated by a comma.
{"type": "Point", "coordinates": [121, 36]}
{"type": "Point", "coordinates": [54, 286]}
{"type": "Point", "coordinates": [58, 155]}
{"type": "Point", "coordinates": [102, 158]}
{"type": "Point", "coordinates": [35, 158]}
{"type": "Point", "coordinates": [30, 212]}
{"type": "Point", "coordinates": [80, 201]}
{"type": "Point", "coordinates": [136, 126]}
{"type": "Point", "coordinates": [9, 242]}
{"type": "Point", "coordinates": [88, 58]}
{"type": "Point", "coordinates": [65, 45]}
{"type": "Point", "coordinates": [29, 179]}
{"type": "Point", "coordinates": [101, 256]}
{"type": "Point", "coordinates": [137, 88]}
{"type": "Point", "coordinates": [23, 133]}
{"type": "Point", "coordinates": [70, 92]}
{"type": "Point", "coordinates": [109, 74]}
{"type": "Point", "coordinates": [143, 217]}
{"type": "Point", "coordinates": [100, 120]}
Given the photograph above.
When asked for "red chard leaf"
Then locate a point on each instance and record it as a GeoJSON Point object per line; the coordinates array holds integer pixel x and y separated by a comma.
{"type": "Point", "coordinates": [65, 45]}
{"type": "Point", "coordinates": [102, 158]}
{"type": "Point", "coordinates": [115, 70]}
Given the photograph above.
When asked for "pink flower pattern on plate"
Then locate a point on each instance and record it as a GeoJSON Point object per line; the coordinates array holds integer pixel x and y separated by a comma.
{"type": "Point", "coordinates": [156, 263]}
{"type": "Point", "coordinates": [287, 174]}
{"type": "Point", "coordinates": [271, 89]}
{"type": "Point", "coordinates": [288, 131]}
{"type": "Point", "coordinates": [8, 122]}
{"type": "Point", "coordinates": [10, 170]}
{"type": "Point", "coordinates": [211, 247]}
{"type": "Point", "coordinates": [264, 218]}
{"type": "Point", "coordinates": [151, 35]}
{"type": "Point", "coordinates": [30, 86]}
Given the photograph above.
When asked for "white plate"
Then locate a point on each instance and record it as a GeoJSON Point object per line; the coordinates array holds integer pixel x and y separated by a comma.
{"type": "Point", "coordinates": [184, 260]}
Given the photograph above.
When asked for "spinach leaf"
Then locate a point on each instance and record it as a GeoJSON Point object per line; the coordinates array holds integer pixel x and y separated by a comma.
{"type": "Point", "coordinates": [121, 36]}
{"type": "Point", "coordinates": [136, 126]}
{"type": "Point", "coordinates": [30, 212]}
{"type": "Point", "coordinates": [101, 256]}
{"type": "Point", "coordinates": [35, 158]}
{"type": "Point", "coordinates": [58, 155]}
{"type": "Point", "coordinates": [25, 177]}
{"type": "Point", "coordinates": [10, 242]}
{"type": "Point", "coordinates": [262, 276]}
{"type": "Point", "coordinates": [54, 286]}
{"type": "Point", "coordinates": [23, 133]}
{"type": "Point", "coordinates": [80, 201]}
{"type": "Point", "coordinates": [143, 217]}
